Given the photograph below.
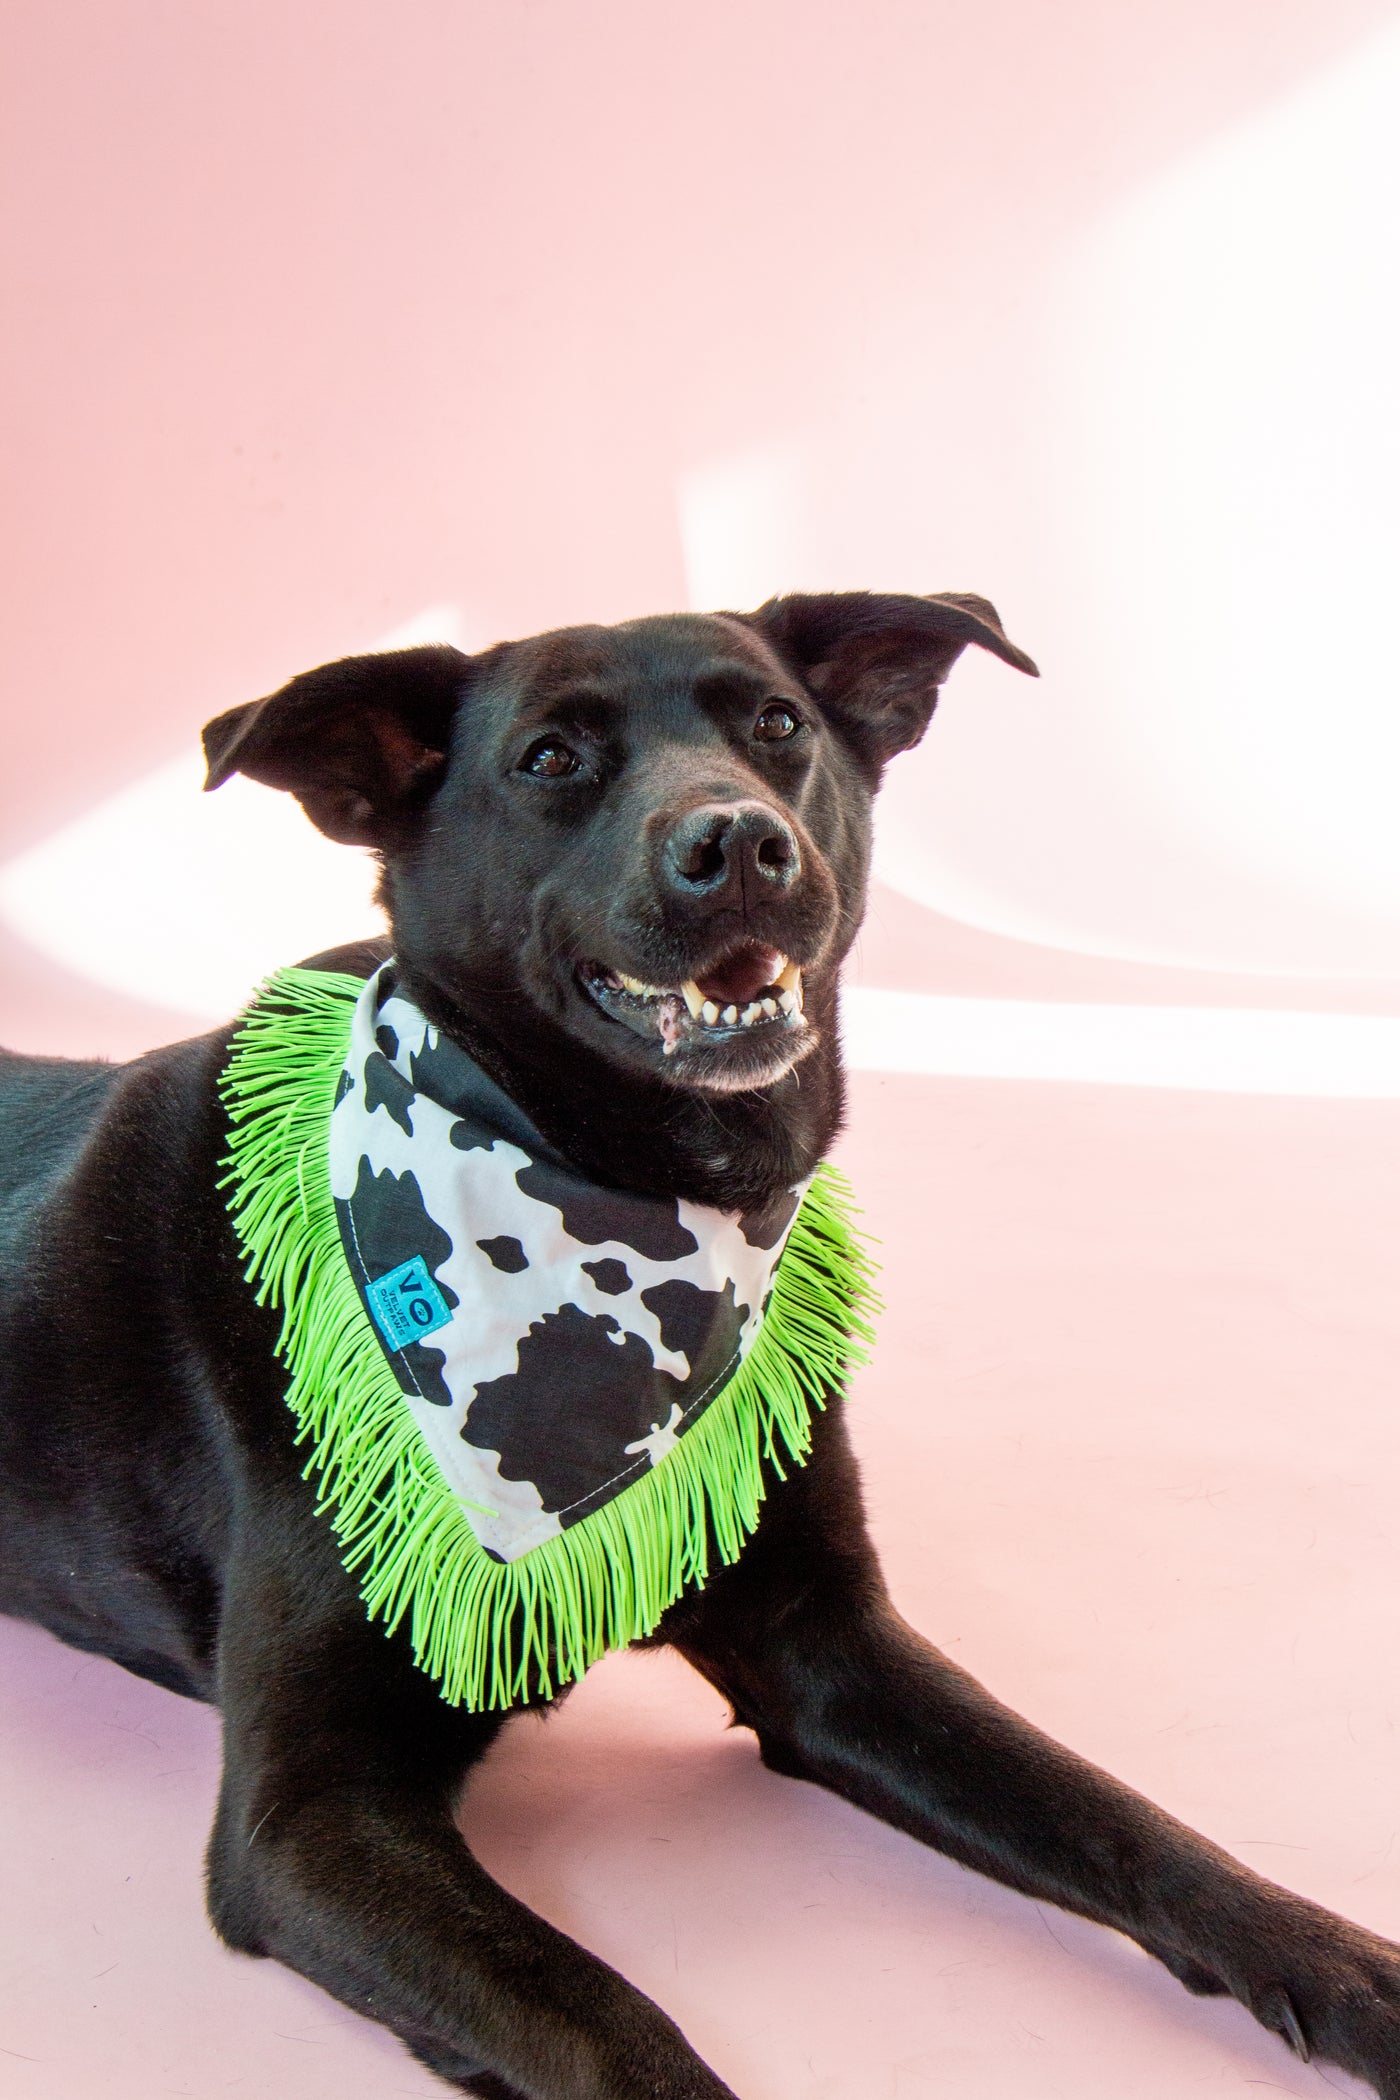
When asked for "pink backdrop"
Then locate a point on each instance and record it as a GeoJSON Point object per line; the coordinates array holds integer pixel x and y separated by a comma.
{"type": "Point", "coordinates": [333, 324]}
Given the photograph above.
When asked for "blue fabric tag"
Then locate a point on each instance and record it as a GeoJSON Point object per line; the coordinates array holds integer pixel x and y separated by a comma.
{"type": "Point", "coordinates": [407, 1304]}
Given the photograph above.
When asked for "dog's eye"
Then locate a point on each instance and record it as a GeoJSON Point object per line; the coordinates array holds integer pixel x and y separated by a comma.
{"type": "Point", "coordinates": [775, 723]}
{"type": "Point", "coordinates": [551, 760]}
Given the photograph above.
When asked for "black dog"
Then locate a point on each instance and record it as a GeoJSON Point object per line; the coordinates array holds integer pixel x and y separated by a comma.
{"type": "Point", "coordinates": [681, 801]}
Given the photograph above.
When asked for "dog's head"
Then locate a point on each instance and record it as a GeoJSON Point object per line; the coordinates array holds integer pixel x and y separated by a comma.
{"type": "Point", "coordinates": [652, 837]}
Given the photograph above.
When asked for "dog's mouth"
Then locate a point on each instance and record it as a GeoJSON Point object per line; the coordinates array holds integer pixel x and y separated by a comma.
{"type": "Point", "coordinates": [750, 1002]}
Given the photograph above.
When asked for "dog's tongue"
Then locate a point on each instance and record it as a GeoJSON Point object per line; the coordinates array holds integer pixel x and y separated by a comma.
{"type": "Point", "coordinates": [742, 977]}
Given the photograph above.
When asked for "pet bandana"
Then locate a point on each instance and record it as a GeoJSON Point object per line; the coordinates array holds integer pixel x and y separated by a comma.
{"type": "Point", "coordinates": [533, 1402]}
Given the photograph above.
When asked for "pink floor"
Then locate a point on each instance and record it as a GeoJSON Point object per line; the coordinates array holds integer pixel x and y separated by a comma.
{"type": "Point", "coordinates": [1131, 1452]}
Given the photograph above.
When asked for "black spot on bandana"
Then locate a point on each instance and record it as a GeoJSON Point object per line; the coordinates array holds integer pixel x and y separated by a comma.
{"type": "Point", "coordinates": [387, 1088]}
{"type": "Point", "coordinates": [703, 1325]}
{"type": "Point", "coordinates": [383, 1225]}
{"type": "Point", "coordinates": [505, 1253]}
{"type": "Point", "coordinates": [564, 1419]}
{"type": "Point", "coordinates": [444, 1070]}
{"type": "Point", "coordinates": [651, 1224]}
{"type": "Point", "coordinates": [387, 1040]}
{"type": "Point", "coordinates": [609, 1274]}
{"type": "Point", "coordinates": [469, 1135]}
{"type": "Point", "coordinates": [343, 1086]}
{"type": "Point", "coordinates": [765, 1227]}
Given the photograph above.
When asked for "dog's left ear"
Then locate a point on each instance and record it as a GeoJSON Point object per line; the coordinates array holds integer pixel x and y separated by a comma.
{"type": "Point", "coordinates": [876, 662]}
{"type": "Point", "coordinates": [360, 743]}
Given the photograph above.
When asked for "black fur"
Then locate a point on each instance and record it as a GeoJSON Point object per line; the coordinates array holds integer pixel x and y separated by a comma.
{"type": "Point", "coordinates": [151, 1501]}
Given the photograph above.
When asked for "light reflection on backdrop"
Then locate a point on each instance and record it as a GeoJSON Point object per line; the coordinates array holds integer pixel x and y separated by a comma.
{"type": "Point", "coordinates": [1225, 350]}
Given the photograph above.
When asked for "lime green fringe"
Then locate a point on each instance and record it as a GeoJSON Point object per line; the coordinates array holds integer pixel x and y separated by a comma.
{"type": "Point", "coordinates": [495, 1634]}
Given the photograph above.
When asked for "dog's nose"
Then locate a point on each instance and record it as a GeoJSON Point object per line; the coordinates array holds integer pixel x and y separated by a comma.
{"type": "Point", "coordinates": [730, 846]}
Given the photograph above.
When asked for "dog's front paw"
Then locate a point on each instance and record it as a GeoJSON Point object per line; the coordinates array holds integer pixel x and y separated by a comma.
{"type": "Point", "coordinates": [1331, 1991]}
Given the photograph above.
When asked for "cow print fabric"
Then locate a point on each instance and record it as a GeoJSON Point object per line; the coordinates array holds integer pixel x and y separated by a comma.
{"type": "Point", "coordinates": [554, 1339]}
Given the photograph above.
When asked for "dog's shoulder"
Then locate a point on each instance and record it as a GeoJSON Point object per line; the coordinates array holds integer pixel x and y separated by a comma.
{"type": "Point", "coordinates": [56, 1110]}
{"type": "Point", "coordinates": [355, 959]}
{"type": "Point", "coordinates": [93, 1151]}
{"type": "Point", "coordinates": [49, 1107]}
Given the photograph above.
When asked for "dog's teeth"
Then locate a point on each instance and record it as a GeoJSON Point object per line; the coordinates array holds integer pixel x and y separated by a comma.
{"type": "Point", "coordinates": [789, 1002]}
{"type": "Point", "coordinates": [789, 977]}
{"type": "Point", "coordinates": [770, 1009]}
{"type": "Point", "coordinates": [730, 1016]}
{"type": "Point", "coordinates": [710, 1012]}
{"type": "Point", "coordinates": [694, 998]}
{"type": "Point", "coordinates": [752, 1013]}
{"type": "Point", "coordinates": [637, 988]}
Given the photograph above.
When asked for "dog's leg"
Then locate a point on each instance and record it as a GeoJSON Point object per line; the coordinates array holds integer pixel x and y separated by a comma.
{"type": "Point", "coordinates": [335, 1851]}
{"type": "Point", "coordinates": [801, 1638]}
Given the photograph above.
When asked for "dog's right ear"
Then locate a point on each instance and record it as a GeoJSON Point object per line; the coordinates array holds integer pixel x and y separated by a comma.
{"type": "Point", "coordinates": [359, 742]}
{"type": "Point", "coordinates": [877, 660]}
